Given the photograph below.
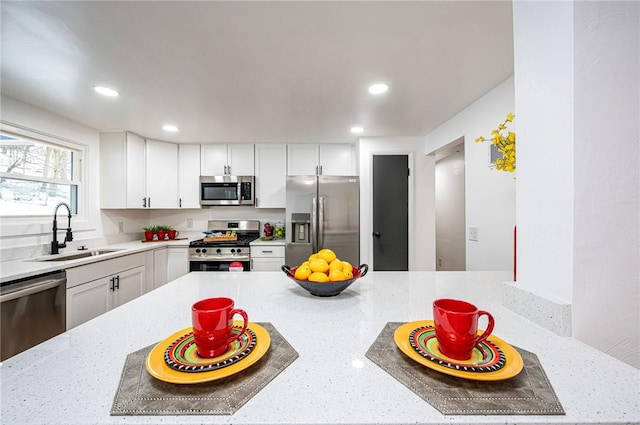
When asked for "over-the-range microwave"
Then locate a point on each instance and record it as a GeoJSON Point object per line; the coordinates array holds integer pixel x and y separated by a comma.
{"type": "Point", "coordinates": [226, 190]}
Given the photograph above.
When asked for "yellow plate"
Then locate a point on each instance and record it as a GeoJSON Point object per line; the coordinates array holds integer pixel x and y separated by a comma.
{"type": "Point", "coordinates": [157, 367]}
{"type": "Point", "coordinates": [512, 367]}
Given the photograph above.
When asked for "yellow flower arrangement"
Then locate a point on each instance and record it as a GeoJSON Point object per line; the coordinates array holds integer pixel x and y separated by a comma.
{"type": "Point", "coordinates": [506, 145]}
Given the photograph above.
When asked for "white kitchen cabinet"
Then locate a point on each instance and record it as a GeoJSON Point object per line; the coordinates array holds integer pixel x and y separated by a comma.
{"type": "Point", "coordinates": [137, 173]}
{"type": "Point", "coordinates": [227, 159]}
{"type": "Point", "coordinates": [177, 262]}
{"type": "Point", "coordinates": [271, 175]}
{"type": "Point", "coordinates": [122, 170]}
{"type": "Point", "coordinates": [162, 174]}
{"type": "Point", "coordinates": [188, 176]}
{"type": "Point", "coordinates": [96, 288]}
{"type": "Point", "coordinates": [267, 257]}
{"type": "Point", "coordinates": [160, 265]}
{"type": "Point", "coordinates": [321, 159]}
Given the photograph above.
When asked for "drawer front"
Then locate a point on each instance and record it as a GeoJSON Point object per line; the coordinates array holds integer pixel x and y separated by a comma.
{"type": "Point", "coordinates": [267, 264]}
{"type": "Point", "coordinates": [267, 251]}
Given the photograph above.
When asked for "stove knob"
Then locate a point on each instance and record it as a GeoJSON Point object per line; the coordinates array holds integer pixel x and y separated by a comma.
{"type": "Point", "coordinates": [238, 250]}
{"type": "Point", "coordinates": [218, 250]}
{"type": "Point", "coordinates": [204, 251]}
{"type": "Point", "coordinates": [233, 250]}
{"type": "Point", "coordinates": [198, 251]}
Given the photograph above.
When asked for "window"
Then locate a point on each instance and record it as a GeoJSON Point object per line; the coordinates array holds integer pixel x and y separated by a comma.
{"type": "Point", "coordinates": [37, 174]}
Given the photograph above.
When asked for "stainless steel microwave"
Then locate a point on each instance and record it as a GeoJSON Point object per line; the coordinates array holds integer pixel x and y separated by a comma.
{"type": "Point", "coordinates": [226, 190]}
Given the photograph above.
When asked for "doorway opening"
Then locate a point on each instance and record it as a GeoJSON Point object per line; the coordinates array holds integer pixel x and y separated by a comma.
{"type": "Point", "coordinates": [450, 207]}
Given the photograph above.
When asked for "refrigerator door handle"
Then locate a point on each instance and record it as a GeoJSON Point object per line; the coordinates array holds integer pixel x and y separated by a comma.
{"type": "Point", "coordinates": [320, 222]}
{"type": "Point", "coordinates": [314, 226]}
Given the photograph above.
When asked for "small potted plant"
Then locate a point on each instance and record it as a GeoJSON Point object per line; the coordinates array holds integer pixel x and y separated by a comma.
{"type": "Point", "coordinates": [162, 232]}
{"type": "Point", "coordinates": [173, 233]}
{"type": "Point", "coordinates": [149, 231]}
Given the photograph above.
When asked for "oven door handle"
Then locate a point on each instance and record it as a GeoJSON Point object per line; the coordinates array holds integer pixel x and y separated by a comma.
{"type": "Point", "coordinates": [219, 259]}
{"type": "Point", "coordinates": [39, 287]}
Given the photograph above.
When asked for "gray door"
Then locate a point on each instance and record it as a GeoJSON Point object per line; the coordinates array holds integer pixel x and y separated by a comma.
{"type": "Point", "coordinates": [390, 212]}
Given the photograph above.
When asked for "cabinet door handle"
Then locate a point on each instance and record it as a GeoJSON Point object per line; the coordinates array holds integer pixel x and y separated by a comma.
{"type": "Point", "coordinates": [117, 282]}
{"type": "Point", "coordinates": [144, 202]}
{"type": "Point", "coordinates": [321, 170]}
{"type": "Point", "coordinates": [180, 202]}
{"type": "Point", "coordinates": [267, 252]}
{"type": "Point", "coordinates": [256, 203]}
{"type": "Point", "coordinates": [149, 202]}
{"type": "Point", "coordinates": [229, 169]}
{"type": "Point", "coordinates": [113, 281]}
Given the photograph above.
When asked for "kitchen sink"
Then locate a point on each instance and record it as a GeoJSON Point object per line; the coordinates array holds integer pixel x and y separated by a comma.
{"type": "Point", "coordinates": [83, 254]}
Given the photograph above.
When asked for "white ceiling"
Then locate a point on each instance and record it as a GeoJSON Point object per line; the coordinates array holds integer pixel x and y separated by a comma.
{"type": "Point", "coordinates": [256, 71]}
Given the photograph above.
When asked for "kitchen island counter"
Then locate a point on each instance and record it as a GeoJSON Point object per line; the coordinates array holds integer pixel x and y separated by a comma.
{"type": "Point", "coordinates": [73, 378]}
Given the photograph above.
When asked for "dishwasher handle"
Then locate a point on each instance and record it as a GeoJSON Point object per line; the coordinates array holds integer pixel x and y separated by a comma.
{"type": "Point", "coordinates": [38, 287]}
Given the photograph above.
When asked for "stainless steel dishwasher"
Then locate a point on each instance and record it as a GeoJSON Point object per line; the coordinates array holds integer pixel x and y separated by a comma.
{"type": "Point", "coordinates": [33, 310]}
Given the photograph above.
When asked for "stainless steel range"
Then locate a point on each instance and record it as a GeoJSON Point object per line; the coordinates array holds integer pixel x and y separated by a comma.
{"type": "Point", "coordinates": [217, 251]}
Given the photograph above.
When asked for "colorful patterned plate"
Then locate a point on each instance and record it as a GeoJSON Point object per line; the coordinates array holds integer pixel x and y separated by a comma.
{"type": "Point", "coordinates": [182, 354]}
{"type": "Point", "coordinates": [485, 357]}
{"type": "Point", "coordinates": [159, 369]}
{"type": "Point", "coordinates": [512, 366]}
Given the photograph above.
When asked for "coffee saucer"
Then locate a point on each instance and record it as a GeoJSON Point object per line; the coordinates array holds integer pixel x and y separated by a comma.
{"type": "Point", "coordinates": [159, 369]}
{"type": "Point", "coordinates": [405, 335]}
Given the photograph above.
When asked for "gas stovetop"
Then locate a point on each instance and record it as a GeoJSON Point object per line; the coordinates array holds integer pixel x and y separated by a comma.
{"type": "Point", "coordinates": [245, 231]}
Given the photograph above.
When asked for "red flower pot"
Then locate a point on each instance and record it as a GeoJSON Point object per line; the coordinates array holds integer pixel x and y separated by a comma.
{"type": "Point", "coordinates": [148, 235]}
{"type": "Point", "coordinates": [162, 234]}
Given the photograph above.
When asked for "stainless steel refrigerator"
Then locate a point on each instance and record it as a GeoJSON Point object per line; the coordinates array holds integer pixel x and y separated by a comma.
{"type": "Point", "coordinates": [322, 212]}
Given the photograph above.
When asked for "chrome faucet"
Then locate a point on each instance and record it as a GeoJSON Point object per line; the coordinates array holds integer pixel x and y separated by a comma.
{"type": "Point", "coordinates": [69, 236]}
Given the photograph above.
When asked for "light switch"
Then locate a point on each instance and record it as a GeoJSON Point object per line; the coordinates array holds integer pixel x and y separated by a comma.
{"type": "Point", "coordinates": [473, 234]}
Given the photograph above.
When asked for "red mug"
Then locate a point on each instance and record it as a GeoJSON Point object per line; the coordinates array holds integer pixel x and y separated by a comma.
{"type": "Point", "coordinates": [456, 324]}
{"type": "Point", "coordinates": [212, 320]}
{"type": "Point", "coordinates": [173, 234]}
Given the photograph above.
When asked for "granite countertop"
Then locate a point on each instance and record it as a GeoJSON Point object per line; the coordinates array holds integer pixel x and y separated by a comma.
{"type": "Point", "coordinates": [73, 378]}
{"type": "Point", "coordinates": [27, 267]}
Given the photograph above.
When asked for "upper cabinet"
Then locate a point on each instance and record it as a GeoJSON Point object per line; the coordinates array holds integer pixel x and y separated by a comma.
{"type": "Point", "coordinates": [122, 170]}
{"type": "Point", "coordinates": [137, 173]}
{"type": "Point", "coordinates": [189, 176]}
{"type": "Point", "coordinates": [227, 159]}
{"type": "Point", "coordinates": [271, 175]}
{"type": "Point", "coordinates": [321, 159]}
{"type": "Point", "coordinates": [162, 174]}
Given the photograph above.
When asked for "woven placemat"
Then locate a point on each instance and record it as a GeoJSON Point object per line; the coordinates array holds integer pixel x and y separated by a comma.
{"type": "Point", "coordinates": [141, 394]}
{"type": "Point", "coordinates": [528, 393]}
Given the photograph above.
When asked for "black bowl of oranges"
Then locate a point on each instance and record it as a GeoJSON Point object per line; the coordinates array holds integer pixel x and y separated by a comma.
{"type": "Point", "coordinates": [325, 275]}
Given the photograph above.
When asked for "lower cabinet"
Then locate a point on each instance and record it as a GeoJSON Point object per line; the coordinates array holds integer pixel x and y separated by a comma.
{"type": "Point", "coordinates": [177, 262]}
{"type": "Point", "coordinates": [121, 280]}
{"type": "Point", "coordinates": [266, 258]}
{"type": "Point", "coordinates": [160, 267]}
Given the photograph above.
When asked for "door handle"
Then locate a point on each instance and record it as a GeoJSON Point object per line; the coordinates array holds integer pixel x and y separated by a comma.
{"type": "Point", "coordinates": [376, 234]}
{"type": "Point", "coordinates": [113, 282]}
{"type": "Point", "coordinates": [117, 282]}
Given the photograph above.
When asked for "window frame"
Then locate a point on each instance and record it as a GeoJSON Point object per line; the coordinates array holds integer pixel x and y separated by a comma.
{"type": "Point", "coordinates": [77, 174]}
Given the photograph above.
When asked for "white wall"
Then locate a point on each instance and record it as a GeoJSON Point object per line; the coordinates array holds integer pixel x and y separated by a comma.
{"type": "Point", "coordinates": [578, 100]}
{"type": "Point", "coordinates": [490, 194]}
{"type": "Point", "coordinates": [18, 232]}
{"type": "Point", "coordinates": [422, 193]}
{"type": "Point", "coordinates": [543, 35]}
{"type": "Point", "coordinates": [450, 213]}
{"type": "Point", "coordinates": [606, 285]}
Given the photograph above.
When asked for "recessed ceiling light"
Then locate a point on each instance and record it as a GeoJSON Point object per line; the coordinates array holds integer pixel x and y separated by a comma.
{"type": "Point", "coordinates": [357, 129]}
{"type": "Point", "coordinates": [169, 127]}
{"type": "Point", "coordinates": [378, 88]}
{"type": "Point", "coordinates": [106, 91]}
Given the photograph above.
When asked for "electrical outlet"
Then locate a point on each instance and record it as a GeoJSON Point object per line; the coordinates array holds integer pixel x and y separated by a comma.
{"type": "Point", "coordinates": [189, 223]}
{"type": "Point", "coordinates": [473, 234]}
{"type": "Point", "coordinates": [120, 227]}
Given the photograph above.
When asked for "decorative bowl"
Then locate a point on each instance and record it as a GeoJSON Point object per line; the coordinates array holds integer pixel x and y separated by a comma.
{"type": "Point", "coordinates": [326, 289]}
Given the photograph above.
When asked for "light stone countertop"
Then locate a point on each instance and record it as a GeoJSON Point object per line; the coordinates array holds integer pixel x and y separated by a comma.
{"type": "Point", "coordinates": [72, 378]}
{"type": "Point", "coordinates": [273, 242]}
{"type": "Point", "coordinates": [27, 267]}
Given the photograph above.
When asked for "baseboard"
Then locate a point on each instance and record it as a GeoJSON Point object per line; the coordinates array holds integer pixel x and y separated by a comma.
{"type": "Point", "coordinates": [549, 314]}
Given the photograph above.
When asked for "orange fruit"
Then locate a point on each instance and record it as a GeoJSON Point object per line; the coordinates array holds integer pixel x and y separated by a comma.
{"type": "Point", "coordinates": [318, 277]}
{"type": "Point", "coordinates": [327, 255]}
{"type": "Point", "coordinates": [348, 274]}
{"type": "Point", "coordinates": [302, 272]}
{"type": "Point", "coordinates": [319, 265]}
{"type": "Point", "coordinates": [312, 257]}
{"type": "Point", "coordinates": [336, 275]}
{"type": "Point", "coordinates": [347, 267]}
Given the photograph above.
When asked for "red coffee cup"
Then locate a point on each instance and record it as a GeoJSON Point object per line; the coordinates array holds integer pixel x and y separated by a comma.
{"type": "Point", "coordinates": [173, 233]}
{"type": "Point", "coordinates": [456, 324]}
{"type": "Point", "coordinates": [212, 320]}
